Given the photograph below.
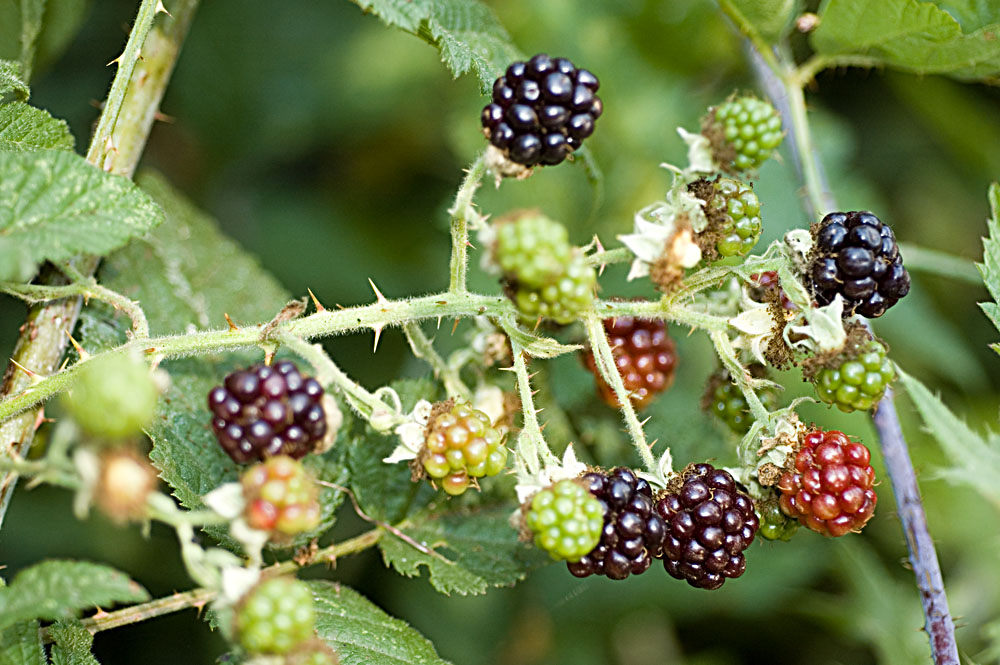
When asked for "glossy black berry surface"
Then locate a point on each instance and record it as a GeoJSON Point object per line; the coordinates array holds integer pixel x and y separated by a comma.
{"type": "Point", "coordinates": [857, 257]}
{"type": "Point", "coordinates": [709, 522]}
{"type": "Point", "coordinates": [633, 532]}
{"type": "Point", "coordinates": [542, 110]}
{"type": "Point", "coordinates": [264, 411]}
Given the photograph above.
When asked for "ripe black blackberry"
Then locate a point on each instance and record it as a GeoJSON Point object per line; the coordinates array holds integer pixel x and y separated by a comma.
{"type": "Point", "coordinates": [264, 411]}
{"type": "Point", "coordinates": [542, 110]}
{"type": "Point", "coordinates": [709, 522]}
{"type": "Point", "coordinates": [856, 256]}
{"type": "Point", "coordinates": [633, 532]}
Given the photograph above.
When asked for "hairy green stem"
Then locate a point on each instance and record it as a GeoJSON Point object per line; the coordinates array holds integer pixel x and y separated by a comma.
{"type": "Point", "coordinates": [423, 348]}
{"type": "Point", "coordinates": [86, 289]}
{"type": "Point", "coordinates": [750, 32]}
{"type": "Point", "coordinates": [461, 214]}
{"type": "Point", "coordinates": [727, 354]}
{"type": "Point", "coordinates": [609, 371]}
{"type": "Point", "coordinates": [531, 445]}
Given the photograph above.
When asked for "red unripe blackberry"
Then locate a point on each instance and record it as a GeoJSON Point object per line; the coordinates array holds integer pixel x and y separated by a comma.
{"type": "Point", "coordinates": [830, 488]}
{"type": "Point", "coordinates": [709, 521]}
{"type": "Point", "coordinates": [632, 533]}
{"type": "Point", "coordinates": [645, 356]}
{"type": "Point", "coordinates": [281, 497]}
{"type": "Point", "coordinates": [264, 411]}
{"type": "Point", "coordinates": [461, 444]}
{"type": "Point", "coordinates": [542, 110]}
{"type": "Point", "coordinates": [766, 283]}
{"type": "Point", "coordinates": [856, 256]}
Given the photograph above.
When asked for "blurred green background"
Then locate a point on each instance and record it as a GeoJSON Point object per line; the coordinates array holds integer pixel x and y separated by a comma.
{"type": "Point", "coordinates": [330, 147]}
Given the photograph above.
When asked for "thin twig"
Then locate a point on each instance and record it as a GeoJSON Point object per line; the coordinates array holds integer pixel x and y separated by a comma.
{"type": "Point", "coordinates": [462, 212]}
{"type": "Point", "coordinates": [923, 558]}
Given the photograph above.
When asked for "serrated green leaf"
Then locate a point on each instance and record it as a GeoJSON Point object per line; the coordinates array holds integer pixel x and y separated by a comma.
{"type": "Point", "coordinates": [54, 205]}
{"type": "Point", "coordinates": [72, 644]}
{"type": "Point", "coordinates": [472, 551]}
{"type": "Point", "coordinates": [362, 634]}
{"type": "Point", "coordinates": [386, 491]}
{"type": "Point", "coordinates": [910, 35]}
{"type": "Point", "coordinates": [11, 81]}
{"type": "Point", "coordinates": [975, 460]}
{"type": "Point", "coordinates": [990, 267]}
{"type": "Point", "coordinates": [771, 18]}
{"type": "Point", "coordinates": [58, 589]}
{"type": "Point", "coordinates": [467, 33]}
{"type": "Point", "coordinates": [21, 644]}
{"type": "Point", "coordinates": [24, 128]}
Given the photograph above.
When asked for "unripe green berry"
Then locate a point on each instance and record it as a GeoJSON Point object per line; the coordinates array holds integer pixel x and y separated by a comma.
{"type": "Point", "coordinates": [744, 132]}
{"type": "Point", "coordinates": [859, 382]}
{"type": "Point", "coordinates": [734, 217]}
{"type": "Point", "coordinates": [566, 520]}
{"type": "Point", "coordinates": [114, 397]}
{"type": "Point", "coordinates": [276, 616]}
{"type": "Point", "coordinates": [534, 248]}
{"type": "Point", "coordinates": [774, 524]}
{"type": "Point", "coordinates": [462, 444]}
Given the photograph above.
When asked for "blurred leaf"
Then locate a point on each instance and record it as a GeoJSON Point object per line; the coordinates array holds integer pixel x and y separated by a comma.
{"type": "Point", "coordinates": [990, 267]}
{"type": "Point", "coordinates": [362, 634]}
{"type": "Point", "coordinates": [873, 606]}
{"type": "Point", "coordinates": [385, 491]}
{"type": "Point", "coordinates": [771, 18]}
{"type": "Point", "coordinates": [31, 25]}
{"type": "Point", "coordinates": [472, 551]}
{"type": "Point", "coordinates": [24, 128]}
{"type": "Point", "coordinates": [185, 274]}
{"type": "Point", "coordinates": [56, 21]}
{"type": "Point", "coordinates": [10, 80]}
{"type": "Point", "coordinates": [911, 35]}
{"type": "Point", "coordinates": [975, 459]}
{"type": "Point", "coordinates": [972, 14]}
{"type": "Point", "coordinates": [21, 645]}
{"type": "Point", "coordinates": [58, 589]}
{"type": "Point", "coordinates": [54, 205]}
{"type": "Point", "coordinates": [72, 644]}
{"type": "Point", "coordinates": [466, 32]}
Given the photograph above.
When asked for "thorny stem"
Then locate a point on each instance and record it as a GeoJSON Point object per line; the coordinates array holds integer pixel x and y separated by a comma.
{"type": "Point", "coordinates": [609, 371]}
{"type": "Point", "coordinates": [938, 623]}
{"type": "Point", "coordinates": [198, 598]}
{"type": "Point", "coordinates": [87, 289]}
{"type": "Point", "coordinates": [461, 214]}
{"type": "Point", "coordinates": [423, 348]}
{"type": "Point", "coordinates": [117, 145]}
{"type": "Point", "coordinates": [727, 354]}
{"type": "Point", "coordinates": [531, 445]}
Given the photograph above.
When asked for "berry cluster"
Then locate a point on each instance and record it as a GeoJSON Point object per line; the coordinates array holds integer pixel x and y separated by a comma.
{"type": "Point", "coordinates": [709, 522]}
{"type": "Point", "coordinates": [830, 487]}
{"type": "Point", "coordinates": [276, 616]}
{"type": "Point", "coordinates": [264, 411]}
{"type": "Point", "coordinates": [766, 283]}
{"type": "Point", "coordinates": [743, 132]}
{"type": "Point", "coordinates": [545, 276]}
{"type": "Point", "coordinates": [733, 213]}
{"type": "Point", "coordinates": [461, 444]}
{"type": "Point", "coordinates": [856, 257]}
{"type": "Point", "coordinates": [645, 356]}
{"type": "Point", "coordinates": [726, 401]}
{"type": "Point", "coordinates": [632, 534]}
{"type": "Point", "coordinates": [859, 378]}
{"type": "Point", "coordinates": [542, 110]}
{"type": "Point", "coordinates": [566, 520]}
{"type": "Point", "coordinates": [280, 497]}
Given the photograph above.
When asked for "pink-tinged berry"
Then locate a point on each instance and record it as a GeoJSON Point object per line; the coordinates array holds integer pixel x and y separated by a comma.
{"type": "Point", "coordinates": [645, 356]}
{"type": "Point", "coordinates": [830, 489]}
{"type": "Point", "coordinates": [281, 497]}
{"type": "Point", "coordinates": [461, 444]}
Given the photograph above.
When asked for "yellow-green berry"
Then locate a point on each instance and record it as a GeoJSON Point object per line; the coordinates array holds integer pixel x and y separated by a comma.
{"type": "Point", "coordinates": [566, 520]}
{"type": "Point", "coordinates": [276, 616]}
{"type": "Point", "coordinates": [462, 444]}
{"type": "Point", "coordinates": [114, 398]}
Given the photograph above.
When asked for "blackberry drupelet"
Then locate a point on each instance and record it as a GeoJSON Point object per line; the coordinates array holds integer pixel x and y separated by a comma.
{"type": "Point", "coordinates": [632, 534]}
{"type": "Point", "coordinates": [856, 256]}
{"type": "Point", "coordinates": [830, 488]}
{"type": "Point", "coordinates": [566, 520]}
{"type": "Point", "coordinates": [709, 522]}
{"type": "Point", "coordinates": [461, 444]}
{"type": "Point", "coordinates": [281, 497]}
{"type": "Point", "coordinates": [264, 411]}
{"type": "Point", "coordinates": [542, 110]}
{"type": "Point", "coordinates": [743, 133]}
{"type": "Point", "coordinates": [645, 356]}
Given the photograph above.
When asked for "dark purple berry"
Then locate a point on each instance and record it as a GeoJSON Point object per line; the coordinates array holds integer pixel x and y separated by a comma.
{"type": "Point", "coordinates": [264, 411]}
